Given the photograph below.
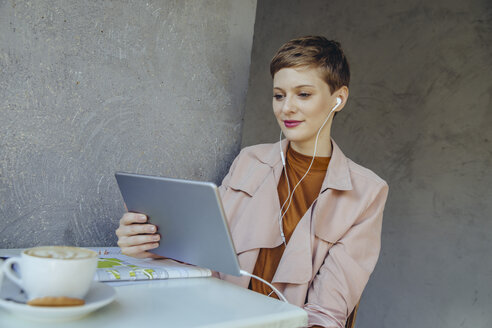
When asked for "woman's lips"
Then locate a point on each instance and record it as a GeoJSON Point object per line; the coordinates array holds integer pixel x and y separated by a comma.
{"type": "Point", "coordinates": [291, 123]}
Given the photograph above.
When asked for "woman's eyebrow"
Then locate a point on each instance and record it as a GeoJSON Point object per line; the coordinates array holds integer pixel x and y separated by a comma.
{"type": "Point", "coordinates": [297, 87]}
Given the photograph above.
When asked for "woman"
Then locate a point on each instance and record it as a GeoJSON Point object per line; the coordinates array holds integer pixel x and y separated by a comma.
{"type": "Point", "coordinates": [301, 214]}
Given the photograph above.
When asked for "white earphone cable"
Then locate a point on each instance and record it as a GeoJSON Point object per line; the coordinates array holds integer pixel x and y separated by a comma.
{"type": "Point", "coordinates": [290, 195]}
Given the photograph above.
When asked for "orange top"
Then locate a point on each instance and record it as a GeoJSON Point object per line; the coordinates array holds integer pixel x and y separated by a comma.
{"type": "Point", "coordinates": [305, 194]}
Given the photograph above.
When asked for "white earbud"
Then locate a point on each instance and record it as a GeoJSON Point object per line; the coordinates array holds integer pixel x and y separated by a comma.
{"type": "Point", "coordinates": [339, 101]}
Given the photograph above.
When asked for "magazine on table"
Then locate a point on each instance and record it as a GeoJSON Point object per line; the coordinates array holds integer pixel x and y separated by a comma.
{"type": "Point", "coordinates": [114, 266]}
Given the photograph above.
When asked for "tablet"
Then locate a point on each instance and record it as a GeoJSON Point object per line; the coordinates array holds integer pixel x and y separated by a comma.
{"type": "Point", "coordinates": [189, 217]}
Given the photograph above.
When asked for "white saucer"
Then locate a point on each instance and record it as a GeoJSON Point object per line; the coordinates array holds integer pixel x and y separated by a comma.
{"type": "Point", "coordinates": [98, 296]}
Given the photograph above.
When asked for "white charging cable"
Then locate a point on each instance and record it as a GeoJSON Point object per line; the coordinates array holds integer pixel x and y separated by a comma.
{"type": "Point", "coordinates": [279, 294]}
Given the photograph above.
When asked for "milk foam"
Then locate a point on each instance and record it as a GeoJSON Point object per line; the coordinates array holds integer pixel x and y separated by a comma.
{"type": "Point", "coordinates": [60, 252]}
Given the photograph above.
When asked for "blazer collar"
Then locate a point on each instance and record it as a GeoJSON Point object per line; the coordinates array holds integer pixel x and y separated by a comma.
{"type": "Point", "coordinates": [338, 174]}
{"type": "Point", "coordinates": [261, 184]}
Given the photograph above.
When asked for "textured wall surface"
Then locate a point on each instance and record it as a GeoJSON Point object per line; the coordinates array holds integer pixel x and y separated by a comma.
{"type": "Point", "coordinates": [88, 88]}
{"type": "Point", "coordinates": [420, 115]}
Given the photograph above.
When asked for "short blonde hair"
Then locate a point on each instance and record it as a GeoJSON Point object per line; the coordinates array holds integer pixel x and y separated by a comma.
{"type": "Point", "coordinates": [315, 52]}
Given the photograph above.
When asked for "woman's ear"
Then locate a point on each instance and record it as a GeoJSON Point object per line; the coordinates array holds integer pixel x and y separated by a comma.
{"type": "Point", "coordinates": [342, 94]}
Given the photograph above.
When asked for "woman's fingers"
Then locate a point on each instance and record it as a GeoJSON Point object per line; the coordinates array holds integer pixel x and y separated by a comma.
{"type": "Point", "coordinates": [139, 251]}
{"type": "Point", "coordinates": [136, 237]}
{"type": "Point", "coordinates": [135, 229]}
{"type": "Point", "coordinates": [129, 241]}
{"type": "Point", "coordinates": [130, 218]}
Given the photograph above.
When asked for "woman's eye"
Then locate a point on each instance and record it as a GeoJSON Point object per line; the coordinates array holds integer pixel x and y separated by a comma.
{"type": "Point", "coordinates": [278, 97]}
{"type": "Point", "coordinates": [304, 94]}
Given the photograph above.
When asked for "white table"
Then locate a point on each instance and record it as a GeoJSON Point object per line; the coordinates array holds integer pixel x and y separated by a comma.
{"type": "Point", "coordinates": [193, 302]}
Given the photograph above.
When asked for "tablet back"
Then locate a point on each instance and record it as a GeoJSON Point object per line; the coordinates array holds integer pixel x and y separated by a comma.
{"type": "Point", "coordinates": [189, 217]}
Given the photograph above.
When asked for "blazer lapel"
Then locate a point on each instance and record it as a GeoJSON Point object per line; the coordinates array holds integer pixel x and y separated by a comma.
{"type": "Point", "coordinates": [329, 217]}
{"type": "Point", "coordinates": [296, 264]}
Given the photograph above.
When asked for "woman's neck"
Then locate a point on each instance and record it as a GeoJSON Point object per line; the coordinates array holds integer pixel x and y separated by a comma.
{"type": "Point", "coordinates": [323, 148]}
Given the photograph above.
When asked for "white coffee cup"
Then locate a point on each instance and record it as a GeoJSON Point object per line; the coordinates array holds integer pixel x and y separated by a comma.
{"type": "Point", "coordinates": [53, 271]}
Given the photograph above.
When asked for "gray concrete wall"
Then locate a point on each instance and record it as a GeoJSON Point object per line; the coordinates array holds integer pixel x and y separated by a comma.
{"type": "Point", "coordinates": [88, 88]}
{"type": "Point", "coordinates": [420, 115]}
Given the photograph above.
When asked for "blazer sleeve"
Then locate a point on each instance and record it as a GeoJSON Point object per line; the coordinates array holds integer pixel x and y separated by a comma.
{"type": "Point", "coordinates": [338, 285]}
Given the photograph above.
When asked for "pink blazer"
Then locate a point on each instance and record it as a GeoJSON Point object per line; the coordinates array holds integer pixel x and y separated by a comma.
{"type": "Point", "coordinates": [336, 244]}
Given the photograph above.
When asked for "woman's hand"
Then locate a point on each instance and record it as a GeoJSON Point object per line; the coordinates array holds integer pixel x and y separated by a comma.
{"type": "Point", "coordinates": [136, 237]}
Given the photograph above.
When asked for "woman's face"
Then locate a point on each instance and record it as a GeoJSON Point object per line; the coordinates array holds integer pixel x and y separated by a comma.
{"type": "Point", "coordinates": [302, 102]}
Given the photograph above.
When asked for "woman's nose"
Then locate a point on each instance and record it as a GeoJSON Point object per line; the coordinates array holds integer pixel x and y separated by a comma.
{"type": "Point", "coordinates": [288, 105]}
